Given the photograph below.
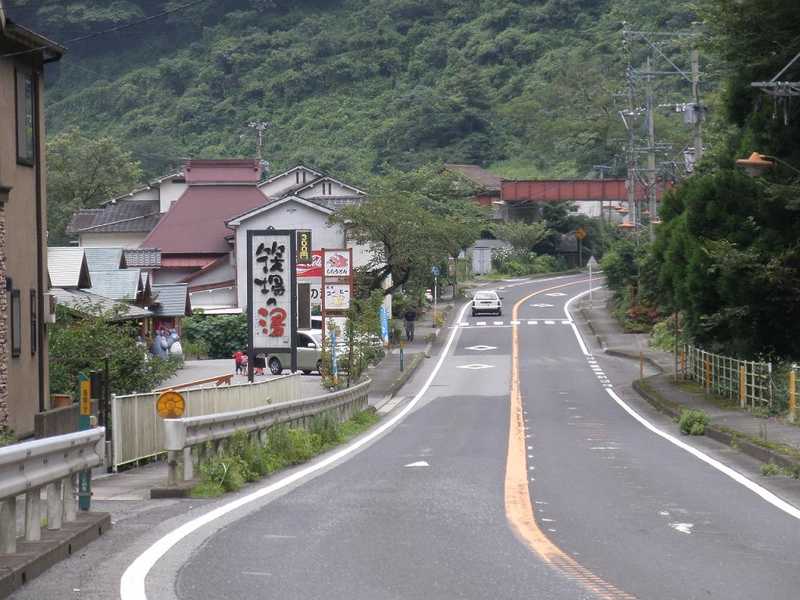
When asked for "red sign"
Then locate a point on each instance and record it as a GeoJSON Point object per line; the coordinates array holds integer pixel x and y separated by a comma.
{"type": "Point", "coordinates": [314, 269]}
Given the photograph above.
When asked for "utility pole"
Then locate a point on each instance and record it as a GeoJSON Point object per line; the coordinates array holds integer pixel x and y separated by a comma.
{"type": "Point", "coordinates": [698, 109]}
{"type": "Point", "coordinates": [260, 127]}
{"type": "Point", "coordinates": [651, 151]}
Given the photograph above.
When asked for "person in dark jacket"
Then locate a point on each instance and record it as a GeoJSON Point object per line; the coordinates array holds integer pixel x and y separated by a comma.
{"type": "Point", "coordinates": [410, 318]}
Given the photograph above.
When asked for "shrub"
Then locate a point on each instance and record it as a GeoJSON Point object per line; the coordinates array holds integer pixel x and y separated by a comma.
{"type": "Point", "coordinates": [693, 422]}
{"type": "Point", "coordinates": [222, 335]}
{"type": "Point", "coordinates": [770, 469]}
{"type": "Point", "coordinates": [326, 427]}
{"type": "Point", "coordinates": [224, 471]}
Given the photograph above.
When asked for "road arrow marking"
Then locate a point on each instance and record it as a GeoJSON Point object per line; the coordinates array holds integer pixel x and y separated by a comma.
{"type": "Point", "coordinates": [419, 463]}
{"type": "Point", "coordinates": [481, 348]}
{"type": "Point", "coordinates": [682, 527]}
{"type": "Point", "coordinates": [475, 366]}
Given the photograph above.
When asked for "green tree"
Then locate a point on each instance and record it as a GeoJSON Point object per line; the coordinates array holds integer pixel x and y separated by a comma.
{"type": "Point", "coordinates": [79, 342]}
{"type": "Point", "coordinates": [522, 236]}
{"type": "Point", "coordinates": [222, 334]}
{"type": "Point", "coordinates": [412, 220]}
{"type": "Point", "coordinates": [83, 171]}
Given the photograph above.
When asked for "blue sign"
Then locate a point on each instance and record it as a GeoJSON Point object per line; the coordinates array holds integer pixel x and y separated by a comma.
{"type": "Point", "coordinates": [435, 271]}
{"type": "Point", "coordinates": [384, 319]}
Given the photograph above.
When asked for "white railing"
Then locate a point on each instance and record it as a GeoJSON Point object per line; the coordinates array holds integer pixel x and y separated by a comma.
{"type": "Point", "coordinates": [748, 381]}
{"type": "Point", "coordinates": [181, 436]}
{"type": "Point", "coordinates": [136, 427]}
{"type": "Point", "coordinates": [52, 464]}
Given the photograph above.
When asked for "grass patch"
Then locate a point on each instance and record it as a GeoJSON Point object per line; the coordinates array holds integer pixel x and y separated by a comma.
{"type": "Point", "coordinates": [773, 470]}
{"type": "Point", "coordinates": [245, 461]}
{"type": "Point", "coordinates": [693, 422]}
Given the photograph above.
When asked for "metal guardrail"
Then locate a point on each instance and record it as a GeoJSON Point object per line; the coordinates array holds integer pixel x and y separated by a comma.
{"type": "Point", "coordinates": [182, 435]}
{"type": "Point", "coordinates": [137, 431]}
{"type": "Point", "coordinates": [50, 463]}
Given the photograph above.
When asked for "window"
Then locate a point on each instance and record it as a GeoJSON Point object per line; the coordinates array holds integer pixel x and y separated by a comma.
{"type": "Point", "coordinates": [25, 97]}
{"type": "Point", "coordinates": [16, 324]}
{"type": "Point", "coordinates": [34, 323]}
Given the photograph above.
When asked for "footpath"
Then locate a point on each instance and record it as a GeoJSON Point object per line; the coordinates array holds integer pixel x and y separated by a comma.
{"type": "Point", "coordinates": [767, 439]}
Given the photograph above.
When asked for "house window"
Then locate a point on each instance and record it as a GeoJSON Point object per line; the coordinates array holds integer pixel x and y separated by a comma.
{"type": "Point", "coordinates": [16, 324]}
{"type": "Point", "coordinates": [34, 323]}
{"type": "Point", "coordinates": [25, 97]}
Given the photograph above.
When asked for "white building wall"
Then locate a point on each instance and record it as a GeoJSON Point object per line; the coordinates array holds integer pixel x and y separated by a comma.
{"type": "Point", "coordinates": [111, 240]}
{"type": "Point", "coordinates": [217, 298]}
{"type": "Point", "coordinates": [222, 272]}
{"type": "Point", "coordinates": [169, 192]}
{"type": "Point", "coordinates": [320, 190]}
{"type": "Point", "coordinates": [291, 215]}
{"type": "Point", "coordinates": [277, 188]}
{"type": "Point", "coordinates": [589, 208]}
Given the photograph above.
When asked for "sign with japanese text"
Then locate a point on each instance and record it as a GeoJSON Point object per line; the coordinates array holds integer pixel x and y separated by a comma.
{"type": "Point", "coordinates": [304, 254]}
{"type": "Point", "coordinates": [337, 325]}
{"type": "Point", "coordinates": [337, 296]}
{"type": "Point", "coordinates": [336, 263]}
{"type": "Point", "coordinates": [312, 269]}
{"type": "Point", "coordinates": [271, 294]}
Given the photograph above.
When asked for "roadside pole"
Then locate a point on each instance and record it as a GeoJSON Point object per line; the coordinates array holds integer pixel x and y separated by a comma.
{"type": "Point", "coordinates": [435, 273]}
{"type": "Point", "coordinates": [85, 422]}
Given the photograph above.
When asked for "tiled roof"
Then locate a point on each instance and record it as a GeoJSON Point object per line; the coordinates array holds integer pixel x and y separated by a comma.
{"type": "Point", "coordinates": [122, 284]}
{"type": "Point", "coordinates": [196, 222]}
{"type": "Point", "coordinates": [173, 300]}
{"type": "Point", "coordinates": [124, 216]}
{"type": "Point", "coordinates": [83, 301]}
{"type": "Point", "coordinates": [67, 267]}
{"type": "Point", "coordinates": [477, 175]}
{"type": "Point", "coordinates": [104, 259]}
{"type": "Point", "coordinates": [144, 258]}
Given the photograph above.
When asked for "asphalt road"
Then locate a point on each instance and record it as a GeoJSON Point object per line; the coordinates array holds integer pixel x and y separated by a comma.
{"type": "Point", "coordinates": [425, 511]}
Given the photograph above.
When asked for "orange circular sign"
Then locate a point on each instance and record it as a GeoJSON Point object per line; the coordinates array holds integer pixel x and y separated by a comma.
{"type": "Point", "coordinates": [170, 405]}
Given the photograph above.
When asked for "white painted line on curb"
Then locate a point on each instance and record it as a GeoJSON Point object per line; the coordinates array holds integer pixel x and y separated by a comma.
{"type": "Point", "coordinates": [757, 489]}
{"type": "Point", "coordinates": [132, 582]}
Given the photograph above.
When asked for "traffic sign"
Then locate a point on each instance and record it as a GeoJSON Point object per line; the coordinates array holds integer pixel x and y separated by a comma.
{"type": "Point", "coordinates": [580, 233]}
{"type": "Point", "coordinates": [435, 271]}
{"type": "Point", "coordinates": [592, 264]}
{"type": "Point", "coordinates": [170, 405]}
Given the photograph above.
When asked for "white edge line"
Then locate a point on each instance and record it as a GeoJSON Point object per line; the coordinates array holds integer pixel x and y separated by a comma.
{"type": "Point", "coordinates": [751, 485]}
{"type": "Point", "coordinates": [132, 582]}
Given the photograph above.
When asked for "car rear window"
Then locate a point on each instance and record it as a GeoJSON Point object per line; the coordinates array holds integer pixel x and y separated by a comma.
{"type": "Point", "coordinates": [486, 296]}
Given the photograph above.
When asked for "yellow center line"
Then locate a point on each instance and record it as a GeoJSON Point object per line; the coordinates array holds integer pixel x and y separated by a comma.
{"type": "Point", "coordinates": [519, 509]}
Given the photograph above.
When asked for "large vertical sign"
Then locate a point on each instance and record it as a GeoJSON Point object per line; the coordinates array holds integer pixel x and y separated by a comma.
{"type": "Point", "coordinates": [271, 295]}
{"type": "Point", "coordinates": [337, 287]}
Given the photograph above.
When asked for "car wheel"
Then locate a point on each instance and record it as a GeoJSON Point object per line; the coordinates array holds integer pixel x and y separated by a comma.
{"type": "Point", "coordinates": [499, 313]}
{"type": "Point", "coordinates": [319, 366]}
{"type": "Point", "coordinates": [306, 372]}
{"type": "Point", "coordinates": [275, 366]}
{"type": "Point", "coordinates": [473, 312]}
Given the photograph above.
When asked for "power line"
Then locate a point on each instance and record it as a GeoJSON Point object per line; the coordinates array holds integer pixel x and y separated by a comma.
{"type": "Point", "coordinates": [95, 34]}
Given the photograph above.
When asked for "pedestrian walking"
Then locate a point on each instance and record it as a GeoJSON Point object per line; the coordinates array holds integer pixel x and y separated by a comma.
{"type": "Point", "coordinates": [410, 318]}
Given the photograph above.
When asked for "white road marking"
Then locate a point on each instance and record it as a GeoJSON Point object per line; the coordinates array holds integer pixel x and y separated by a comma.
{"type": "Point", "coordinates": [514, 323]}
{"type": "Point", "coordinates": [663, 513]}
{"type": "Point", "coordinates": [533, 322]}
{"type": "Point", "coordinates": [132, 582]}
{"type": "Point", "coordinates": [465, 323]}
{"type": "Point", "coordinates": [549, 322]}
{"type": "Point", "coordinates": [757, 489]}
{"type": "Point", "coordinates": [556, 294]}
{"type": "Point", "coordinates": [481, 323]}
{"type": "Point", "coordinates": [475, 366]}
{"type": "Point", "coordinates": [547, 520]}
{"type": "Point", "coordinates": [498, 322]}
{"type": "Point", "coordinates": [541, 305]}
{"type": "Point", "coordinates": [481, 348]}
{"type": "Point", "coordinates": [682, 527]}
{"type": "Point", "coordinates": [419, 463]}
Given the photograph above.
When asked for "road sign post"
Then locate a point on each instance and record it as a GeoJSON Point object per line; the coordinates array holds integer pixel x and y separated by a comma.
{"type": "Point", "coordinates": [85, 422]}
{"type": "Point", "coordinates": [435, 272]}
{"type": "Point", "coordinates": [592, 264]}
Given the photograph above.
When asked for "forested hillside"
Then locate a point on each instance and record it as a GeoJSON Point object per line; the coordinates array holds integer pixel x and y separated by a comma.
{"type": "Point", "coordinates": [528, 87]}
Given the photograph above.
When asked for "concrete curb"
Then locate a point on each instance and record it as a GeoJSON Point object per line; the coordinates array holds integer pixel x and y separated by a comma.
{"type": "Point", "coordinates": [34, 558]}
{"type": "Point", "coordinates": [730, 437]}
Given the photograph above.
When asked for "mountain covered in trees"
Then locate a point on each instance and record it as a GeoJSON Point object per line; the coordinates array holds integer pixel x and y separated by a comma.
{"type": "Point", "coordinates": [527, 87]}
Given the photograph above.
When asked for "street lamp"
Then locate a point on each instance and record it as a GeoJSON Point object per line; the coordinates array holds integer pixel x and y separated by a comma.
{"type": "Point", "coordinates": [758, 164]}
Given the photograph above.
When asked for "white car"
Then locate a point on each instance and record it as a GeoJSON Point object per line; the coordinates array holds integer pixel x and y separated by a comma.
{"type": "Point", "coordinates": [487, 302]}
